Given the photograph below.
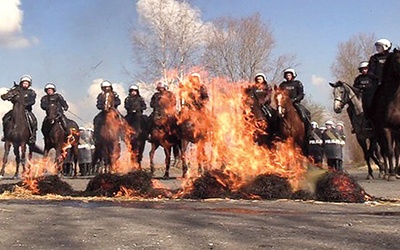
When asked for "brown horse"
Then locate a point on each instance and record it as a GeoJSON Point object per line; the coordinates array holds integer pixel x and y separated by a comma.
{"type": "Point", "coordinates": [343, 95]}
{"type": "Point", "coordinates": [107, 135]}
{"type": "Point", "coordinates": [55, 137]}
{"type": "Point", "coordinates": [194, 128]}
{"type": "Point", "coordinates": [290, 123]}
{"type": "Point", "coordinates": [164, 132]}
{"type": "Point", "coordinates": [385, 111]}
{"type": "Point", "coordinates": [17, 132]}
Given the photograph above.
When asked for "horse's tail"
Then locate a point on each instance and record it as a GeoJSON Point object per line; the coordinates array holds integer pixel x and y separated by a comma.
{"type": "Point", "coordinates": [36, 149]}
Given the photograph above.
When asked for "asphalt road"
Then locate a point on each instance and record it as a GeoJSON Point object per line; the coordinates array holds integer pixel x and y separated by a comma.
{"type": "Point", "coordinates": [208, 224]}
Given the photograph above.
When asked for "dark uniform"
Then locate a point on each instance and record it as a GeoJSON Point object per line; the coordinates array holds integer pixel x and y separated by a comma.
{"type": "Point", "coordinates": [342, 142]}
{"type": "Point", "coordinates": [163, 103]}
{"type": "Point", "coordinates": [366, 84]}
{"type": "Point", "coordinates": [332, 148]}
{"type": "Point", "coordinates": [197, 97]}
{"type": "Point", "coordinates": [315, 149]}
{"type": "Point", "coordinates": [62, 105]}
{"type": "Point", "coordinates": [375, 64]}
{"type": "Point", "coordinates": [295, 90]}
{"type": "Point", "coordinates": [135, 104]}
{"type": "Point", "coordinates": [100, 105]}
{"type": "Point", "coordinates": [29, 99]}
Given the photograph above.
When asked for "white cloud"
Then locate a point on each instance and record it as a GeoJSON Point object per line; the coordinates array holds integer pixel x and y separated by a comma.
{"type": "Point", "coordinates": [11, 17]}
{"type": "Point", "coordinates": [318, 80]}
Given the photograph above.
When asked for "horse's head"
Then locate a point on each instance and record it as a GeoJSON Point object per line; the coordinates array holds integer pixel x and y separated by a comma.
{"type": "Point", "coordinates": [12, 93]}
{"type": "Point", "coordinates": [108, 101]}
{"type": "Point", "coordinates": [282, 101]}
{"type": "Point", "coordinates": [52, 112]}
{"type": "Point", "coordinates": [340, 96]}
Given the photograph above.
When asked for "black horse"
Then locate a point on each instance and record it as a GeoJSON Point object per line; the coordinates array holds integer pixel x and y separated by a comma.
{"type": "Point", "coordinates": [385, 111]}
{"type": "Point", "coordinates": [140, 124]}
{"type": "Point", "coordinates": [63, 142]}
{"type": "Point", "coordinates": [344, 94]}
{"type": "Point", "coordinates": [17, 131]}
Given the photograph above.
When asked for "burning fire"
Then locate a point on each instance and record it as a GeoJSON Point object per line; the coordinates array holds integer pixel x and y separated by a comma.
{"type": "Point", "coordinates": [231, 145]}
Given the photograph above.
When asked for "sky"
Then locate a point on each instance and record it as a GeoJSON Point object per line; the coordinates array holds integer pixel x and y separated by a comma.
{"type": "Point", "coordinates": [75, 44]}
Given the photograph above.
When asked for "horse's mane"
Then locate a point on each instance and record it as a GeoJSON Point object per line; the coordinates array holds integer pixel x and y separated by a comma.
{"type": "Point", "coordinates": [356, 91]}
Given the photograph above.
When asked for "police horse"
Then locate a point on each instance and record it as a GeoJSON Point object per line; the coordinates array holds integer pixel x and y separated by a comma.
{"type": "Point", "coordinates": [385, 113]}
{"type": "Point", "coordinates": [344, 94]}
{"type": "Point", "coordinates": [164, 132]}
{"type": "Point", "coordinates": [290, 124]}
{"type": "Point", "coordinates": [65, 143]}
{"type": "Point", "coordinates": [140, 124]}
{"type": "Point", "coordinates": [194, 126]}
{"type": "Point", "coordinates": [17, 132]}
{"type": "Point", "coordinates": [107, 136]}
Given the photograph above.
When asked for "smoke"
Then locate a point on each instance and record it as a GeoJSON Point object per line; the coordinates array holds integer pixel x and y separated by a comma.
{"type": "Point", "coordinates": [11, 17]}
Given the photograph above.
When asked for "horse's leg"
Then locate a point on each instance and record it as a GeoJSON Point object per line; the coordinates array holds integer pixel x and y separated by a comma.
{"type": "Point", "coordinates": [201, 157]}
{"type": "Point", "coordinates": [142, 144]}
{"type": "Point", "coordinates": [184, 147]}
{"type": "Point", "coordinates": [390, 153]}
{"type": "Point", "coordinates": [7, 146]}
{"type": "Point", "coordinates": [153, 149]}
{"type": "Point", "coordinates": [366, 152]}
{"type": "Point", "coordinates": [167, 151]}
{"type": "Point", "coordinates": [17, 159]}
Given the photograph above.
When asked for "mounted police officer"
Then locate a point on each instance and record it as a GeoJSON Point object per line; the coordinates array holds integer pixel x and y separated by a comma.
{"type": "Point", "coordinates": [258, 97]}
{"type": "Point", "coordinates": [295, 90]}
{"type": "Point", "coordinates": [377, 60]}
{"type": "Point", "coordinates": [163, 101]}
{"type": "Point", "coordinates": [134, 102]}
{"type": "Point", "coordinates": [29, 100]}
{"type": "Point", "coordinates": [367, 84]}
{"type": "Point", "coordinates": [53, 98]}
{"type": "Point", "coordinates": [315, 149]}
{"type": "Point", "coordinates": [332, 146]}
{"type": "Point", "coordinates": [106, 87]}
{"type": "Point", "coordinates": [194, 94]}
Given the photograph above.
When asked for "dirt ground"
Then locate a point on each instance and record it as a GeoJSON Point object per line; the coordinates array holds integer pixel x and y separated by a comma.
{"type": "Point", "coordinates": [207, 224]}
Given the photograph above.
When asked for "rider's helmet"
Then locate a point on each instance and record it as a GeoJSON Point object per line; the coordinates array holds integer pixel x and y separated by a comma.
{"type": "Point", "coordinates": [340, 124]}
{"type": "Point", "coordinates": [314, 125]}
{"type": "Point", "coordinates": [385, 43]}
{"type": "Point", "coordinates": [82, 128]}
{"type": "Point", "coordinates": [161, 85]}
{"type": "Point", "coordinates": [26, 78]}
{"type": "Point", "coordinates": [262, 75]}
{"type": "Point", "coordinates": [329, 123]}
{"type": "Point", "coordinates": [290, 70]}
{"type": "Point", "coordinates": [363, 64]}
{"type": "Point", "coordinates": [50, 86]}
{"type": "Point", "coordinates": [106, 84]}
{"type": "Point", "coordinates": [133, 87]}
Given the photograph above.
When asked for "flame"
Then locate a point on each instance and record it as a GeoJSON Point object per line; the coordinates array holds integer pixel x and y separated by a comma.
{"type": "Point", "coordinates": [230, 141]}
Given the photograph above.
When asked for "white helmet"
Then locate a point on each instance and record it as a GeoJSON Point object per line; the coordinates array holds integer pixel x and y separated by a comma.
{"type": "Point", "coordinates": [262, 75]}
{"type": "Point", "coordinates": [290, 70]}
{"type": "Point", "coordinates": [340, 124]}
{"type": "Point", "coordinates": [196, 75]}
{"type": "Point", "coordinates": [329, 122]}
{"type": "Point", "coordinates": [314, 124]}
{"type": "Point", "coordinates": [82, 128]}
{"type": "Point", "coordinates": [363, 64]}
{"type": "Point", "coordinates": [161, 84]}
{"type": "Point", "coordinates": [27, 78]}
{"type": "Point", "coordinates": [50, 86]}
{"type": "Point", "coordinates": [106, 84]}
{"type": "Point", "coordinates": [385, 43]}
{"type": "Point", "coordinates": [134, 87]}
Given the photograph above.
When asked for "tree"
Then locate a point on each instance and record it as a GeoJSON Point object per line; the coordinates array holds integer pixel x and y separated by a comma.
{"type": "Point", "coordinates": [345, 67]}
{"type": "Point", "coordinates": [239, 48]}
{"type": "Point", "coordinates": [168, 37]}
{"type": "Point", "coordinates": [350, 53]}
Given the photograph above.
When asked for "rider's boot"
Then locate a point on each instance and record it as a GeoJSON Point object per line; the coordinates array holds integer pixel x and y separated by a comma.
{"type": "Point", "coordinates": [64, 124]}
